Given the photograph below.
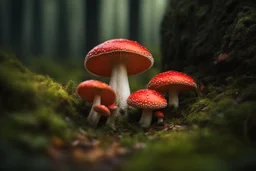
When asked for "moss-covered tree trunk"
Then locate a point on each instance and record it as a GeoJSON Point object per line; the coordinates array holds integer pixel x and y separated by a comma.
{"type": "Point", "coordinates": [195, 33]}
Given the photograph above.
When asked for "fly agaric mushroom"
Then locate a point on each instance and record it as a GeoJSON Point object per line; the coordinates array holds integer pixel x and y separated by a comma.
{"type": "Point", "coordinates": [102, 110]}
{"type": "Point", "coordinates": [118, 58]}
{"type": "Point", "coordinates": [98, 93]}
{"type": "Point", "coordinates": [148, 100]}
{"type": "Point", "coordinates": [160, 116]}
{"type": "Point", "coordinates": [172, 82]}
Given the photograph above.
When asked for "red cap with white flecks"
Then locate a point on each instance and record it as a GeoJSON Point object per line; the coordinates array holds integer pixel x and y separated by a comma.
{"type": "Point", "coordinates": [177, 81]}
{"type": "Point", "coordinates": [145, 98]}
{"type": "Point", "coordinates": [100, 60]}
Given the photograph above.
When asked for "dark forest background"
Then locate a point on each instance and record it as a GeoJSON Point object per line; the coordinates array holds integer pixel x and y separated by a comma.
{"type": "Point", "coordinates": [53, 36]}
{"type": "Point", "coordinates": [65, 28]}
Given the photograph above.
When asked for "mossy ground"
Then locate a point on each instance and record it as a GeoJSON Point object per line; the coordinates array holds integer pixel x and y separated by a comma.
{"type": "Point", "coordinates": [219, 119]}
{"type": "Point", "coordinates": [45, 122]}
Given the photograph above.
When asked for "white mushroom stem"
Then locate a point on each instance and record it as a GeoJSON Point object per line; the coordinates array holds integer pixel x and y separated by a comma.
{"type": "Point", "coordinates": [113, 83]}
{"type": "Point", "coordinates": [93, 117]}
{"type": "Point", "coordinates": [160, 120]}
{"type": "Point", "coordinates": [173, 99]}
{"type": "Point", "coordinates": [119, 82]}
{"type": "Point", "coordinates": [113, 78]}
{"type": "Point", "coordinates": [123, 87]}
{"type": "Point", "coordinates": [146, 118]}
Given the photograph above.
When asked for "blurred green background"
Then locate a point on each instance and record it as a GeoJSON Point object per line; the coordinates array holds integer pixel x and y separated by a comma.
{"type": "Point", "coordinates": [52, 37]}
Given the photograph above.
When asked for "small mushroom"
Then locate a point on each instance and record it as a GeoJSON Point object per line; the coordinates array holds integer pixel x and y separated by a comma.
{"type": "Point", "coordinates": [160, 116]}
{"type": "Point", "coordinates": [102, 110]}
{"type": "Point", "coordinates": [148, 100]}
{"type": "Point", "coordinates": [118, 58]}
{"type": "Point", "coordinates": [98, 93]}
{"type": "Point", "coordinates": [172, 82]}
{"type": "Point", "coordinates": [112, 107]}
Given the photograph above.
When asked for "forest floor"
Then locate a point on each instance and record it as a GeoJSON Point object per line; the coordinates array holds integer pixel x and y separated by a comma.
{"type": "Point", "coordinates": [43, 127]}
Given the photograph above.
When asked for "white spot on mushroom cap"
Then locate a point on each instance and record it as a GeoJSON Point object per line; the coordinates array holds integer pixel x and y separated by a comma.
{"type": "Point", "coordinates": [114, 50]}
{"type": "Point", "coordinates": [147, 98]}
{"type": "Point", "coordinates": [170, 78]}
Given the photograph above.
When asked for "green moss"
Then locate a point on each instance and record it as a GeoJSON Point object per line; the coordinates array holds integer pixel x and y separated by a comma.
{"type": "Point", "coordinates": [197, 150]}
{"type": "Point", "coordinates": [194, 33]}
{"type": "Point", "coordinates": [34, 107]}
{"type": "Point", "coordinates": [220, 121]}
{"type": "Point", "coordinates": [70, 87]}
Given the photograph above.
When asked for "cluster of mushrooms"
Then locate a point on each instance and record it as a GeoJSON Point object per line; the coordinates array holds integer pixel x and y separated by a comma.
{"type": "Point", "coordinates": [116, 59]}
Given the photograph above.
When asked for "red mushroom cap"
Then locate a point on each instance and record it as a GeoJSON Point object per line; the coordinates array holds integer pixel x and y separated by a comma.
{"type": "Point", "coordinates": [145, 98]}
{"type": "Point", "coordinates": [174, 80]}
{"type": "Point", "coordinates": [88, 89]}
{"type": "Point", "coordinates": [99, 61]}
{"type": "Point", "coordinates": [112, 106]}
{"type": "Point", "coordinates": [102, 109]}
{"type": "Point", "coordinates": [159, 114]}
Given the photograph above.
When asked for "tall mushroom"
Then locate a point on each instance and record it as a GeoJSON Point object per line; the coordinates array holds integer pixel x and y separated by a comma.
{"type": "Point", "coordinates": [118, 58]}
{"type": "Point", "coordinates": [148, 100]}
{"type": "Point", "coordinates": [172, 82]}
{"type": "Point", "coordinates": [98, 93]}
